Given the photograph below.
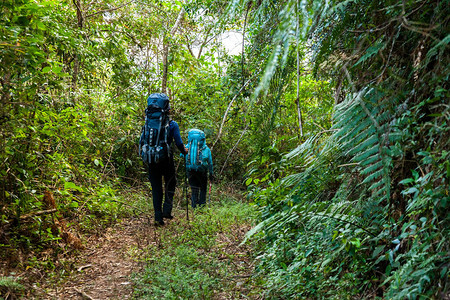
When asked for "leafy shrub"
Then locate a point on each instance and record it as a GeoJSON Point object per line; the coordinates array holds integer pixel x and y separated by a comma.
{"type": "Point", "coordinates": [10, 288]}
{"type": "Point", "coordinates": [362, 212]}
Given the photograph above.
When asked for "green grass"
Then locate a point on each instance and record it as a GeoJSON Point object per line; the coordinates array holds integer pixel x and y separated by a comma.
{"type": "Point", "coordinates": [10, 288]}
{"type": "Point", "coordinates": [199, 259]}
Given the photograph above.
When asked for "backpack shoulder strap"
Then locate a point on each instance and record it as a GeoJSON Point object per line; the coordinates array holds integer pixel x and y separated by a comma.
{"type": "Point", "coordinates": [160, 126]}
{"type": "Point", "coordinates": [166, 132]}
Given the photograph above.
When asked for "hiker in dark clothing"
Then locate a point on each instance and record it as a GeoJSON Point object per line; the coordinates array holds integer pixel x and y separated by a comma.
{"type": "Point", "coordinates": [165, 169]}
{"type": "Point", "coordinates": [198, 180]}
{"type": "Point", "coordinates": [198, 163]}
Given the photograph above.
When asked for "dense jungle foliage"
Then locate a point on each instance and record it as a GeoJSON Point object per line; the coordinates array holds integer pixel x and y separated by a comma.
{"type": "Point", "coordinates": [359, 210]}
{"type": "Point", "coordinates": [75, 77]}
{"type": "Point", "coordinates": [335, 116]}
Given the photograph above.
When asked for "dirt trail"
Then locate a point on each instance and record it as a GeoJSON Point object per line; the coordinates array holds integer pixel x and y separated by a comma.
{"type": "Point", "coordinates": [104, 266]}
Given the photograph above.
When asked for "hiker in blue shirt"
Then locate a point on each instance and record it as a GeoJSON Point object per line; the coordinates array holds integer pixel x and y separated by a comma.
{"type": "Point", "coordinates": [198, 164]}
{"type": "Point", "coordinates": [168, 131]}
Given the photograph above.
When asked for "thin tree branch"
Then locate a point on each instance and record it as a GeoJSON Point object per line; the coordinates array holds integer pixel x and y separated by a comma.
{"type": "Point", "coordinates": [109, 10]}
{"type": "Point", "coordinates": [228, 109]}
{"type": "Point", "coordinates": [189, 46]}
{"type": "Point", "coordinates": [205, 42]}
{"type": "Point", "coordinates": [166, 46]}
{"type": "Point", "coordinates": [38, 213]}
{"type": "Point", "coordinates": [234, 147]}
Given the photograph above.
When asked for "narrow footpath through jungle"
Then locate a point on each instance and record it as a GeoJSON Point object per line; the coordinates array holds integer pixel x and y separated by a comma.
{"type": "Point", "coordinates": [200, 257]}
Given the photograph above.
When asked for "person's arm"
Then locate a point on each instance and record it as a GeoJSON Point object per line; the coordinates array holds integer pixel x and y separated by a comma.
{"type": "Point", "coordinates": [177, 138]}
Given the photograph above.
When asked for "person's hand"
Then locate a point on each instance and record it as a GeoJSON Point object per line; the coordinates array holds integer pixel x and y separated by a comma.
{"type": "Point", "coordinates": [185, 150]}
{"type": "Point", "coordinates": [212, 178]}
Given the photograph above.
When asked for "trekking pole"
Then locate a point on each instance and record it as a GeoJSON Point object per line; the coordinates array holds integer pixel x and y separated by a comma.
{"type": "Point", "coordinates": [210, 184]}
{"type": "Point", "coordinates": [185, 188]}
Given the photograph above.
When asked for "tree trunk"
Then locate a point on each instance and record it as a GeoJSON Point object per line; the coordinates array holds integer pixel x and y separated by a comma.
{"type": "Point", "coordinates": [299, 111]}
{"type": "Point", "coordinates": [76, 62]}
{"type": "Point", "coordinates": [166, 48]}
{"type": "Point", "coordinates": [165, 67]}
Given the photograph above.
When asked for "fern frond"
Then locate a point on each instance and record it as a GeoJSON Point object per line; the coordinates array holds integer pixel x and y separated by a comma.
{"type": "Point", "coordinates": [271, 67]}
{"type": "Point", "coordinates": [351, 129]}
{"type": "Point", "coordinates": [363, 146]}
{"type": "Point", "coordinates": [364, 155]}
{"type": "Point", "coordinates": [370, 160]}
{"type": "Point", "coordinates": [395, 137]}
{"type": "Point", "coordinates": [372, 168]}
{"type": "Point", "coordinates": [342, 121]}
{"type": "Point", "coordinates": [373, 176]}
{"type": "Point", "coordinates": [304, 148]}
{"type": "Point", "coordinates": [384, 117]}
{"type": "Point", "coordinates": [379, 189]}
{"type": "Point", "coordinates": [365, 133]}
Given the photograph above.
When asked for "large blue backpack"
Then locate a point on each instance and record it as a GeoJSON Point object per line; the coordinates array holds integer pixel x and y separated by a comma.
{"type": "Point", "coordinates": [153, 145]}
{"type": "Point", "coordinates": [198, 151]}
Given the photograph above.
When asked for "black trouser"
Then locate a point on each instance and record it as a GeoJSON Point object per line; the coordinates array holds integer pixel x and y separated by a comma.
{"type": "Point", "coordinates": [198, 181]}
{"type": "Point", "coordinates": [156, 172]}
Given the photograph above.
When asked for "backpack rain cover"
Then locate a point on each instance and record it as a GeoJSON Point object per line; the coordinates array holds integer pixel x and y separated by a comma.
{"type": "Point", "coordinates": [153, 145]}
{"type": "Point", "coordinates": [198, 151]}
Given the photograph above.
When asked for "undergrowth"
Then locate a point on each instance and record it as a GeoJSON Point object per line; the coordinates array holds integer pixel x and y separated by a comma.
{"type": "Point", "coordinates": [53, 242]}
{"type": "Point", "coordinates": [10, 288]}
{"type": "Point", "coordinates": [359, 210]}
{"type": "Point", "coordinates": [199, 259]}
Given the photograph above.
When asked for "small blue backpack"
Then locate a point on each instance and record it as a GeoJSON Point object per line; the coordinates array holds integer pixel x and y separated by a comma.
{"type": "Point", "coordinates": [198, 151]}
{"type": "Point", "coordinates": [153, 145]}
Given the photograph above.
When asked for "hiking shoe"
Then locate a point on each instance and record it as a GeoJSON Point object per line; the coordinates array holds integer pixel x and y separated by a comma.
{"type": "Point", "coordinates": [170, 217]}
{"type": "Point", "coordinates": [159, 223]}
